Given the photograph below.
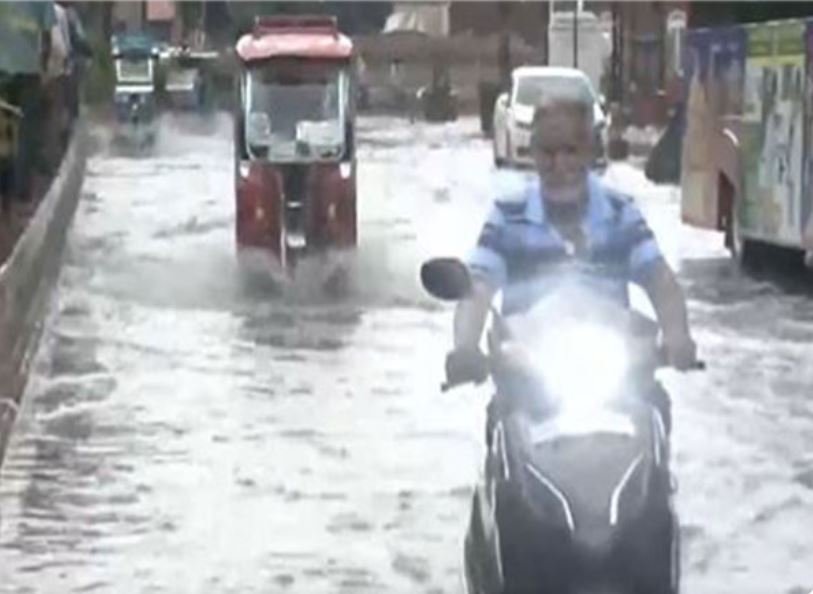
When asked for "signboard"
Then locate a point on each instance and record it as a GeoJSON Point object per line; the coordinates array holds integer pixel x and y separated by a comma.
{"type": "Point", "coordinates": [160, 10]}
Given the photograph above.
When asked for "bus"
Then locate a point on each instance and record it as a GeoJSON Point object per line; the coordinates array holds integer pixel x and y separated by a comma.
{"type": "Point", "coordinates": [747, 150]}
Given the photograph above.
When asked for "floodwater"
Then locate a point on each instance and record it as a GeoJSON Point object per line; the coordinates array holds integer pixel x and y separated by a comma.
{"type": "Point", "coordinates": [198, 426]}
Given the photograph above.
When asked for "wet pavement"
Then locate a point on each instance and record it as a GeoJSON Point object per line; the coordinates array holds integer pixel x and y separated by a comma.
{"type": "Point", "coordinates": [193, 426]}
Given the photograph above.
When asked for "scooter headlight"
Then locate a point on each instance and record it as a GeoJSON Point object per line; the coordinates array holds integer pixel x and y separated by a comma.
{"type": "Point", "coordinates": [582, 366]}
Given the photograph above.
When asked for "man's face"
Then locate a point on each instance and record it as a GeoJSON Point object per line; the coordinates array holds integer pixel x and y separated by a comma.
{"type": "Point", "coordinates": [562, 147]}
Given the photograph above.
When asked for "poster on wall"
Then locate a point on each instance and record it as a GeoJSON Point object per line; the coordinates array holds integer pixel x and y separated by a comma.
{"type": "Point", "coordinates": [758, 90]}
{"type": "Point", "coordinates": [773, 132]}
{"type": "Point", "coordinates": [696, 54]}
{"type": "Point", "coordinates": [787, 122]}
{"type": "Point", "coordinates": [726, 73]}
{"type": "Point", "coordinates": [697, 206]}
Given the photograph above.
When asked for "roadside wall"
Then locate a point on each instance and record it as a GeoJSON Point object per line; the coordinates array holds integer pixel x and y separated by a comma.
{"type": "Point", "coordinates": [471, 60]}
{"type": "Point", "coordinates": [27, 276]}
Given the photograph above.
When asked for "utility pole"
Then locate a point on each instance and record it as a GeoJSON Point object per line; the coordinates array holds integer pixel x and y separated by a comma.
{"type": "Point", "coordinates": [504, 48]}
{"type": "Point", "coordinates": [546, 32]}
{"type": "Point", "coordinates": [575, 35]}
{"type": "Point", "coordinates": [617, 55]}
{"type": "Point", "coordinates": [203, 24]}
{"type": "Point", "coordinates": [617, 146]}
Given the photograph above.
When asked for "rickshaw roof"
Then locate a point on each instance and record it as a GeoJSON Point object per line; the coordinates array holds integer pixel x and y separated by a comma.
{"type": "Point", "coordinates": [133, 45]}
{"type": "Point", "coordinates": [296, 37]}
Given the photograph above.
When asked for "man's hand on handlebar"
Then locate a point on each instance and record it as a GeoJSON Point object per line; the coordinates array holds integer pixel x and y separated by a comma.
{"type": "Point", "coordinates": [681, 352]}
{"type": "Point", "coordinates": [466, 364]}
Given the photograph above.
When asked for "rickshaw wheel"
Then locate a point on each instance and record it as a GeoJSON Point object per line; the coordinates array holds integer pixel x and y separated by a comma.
{"type": "Point", "coordinates": [337, 283]}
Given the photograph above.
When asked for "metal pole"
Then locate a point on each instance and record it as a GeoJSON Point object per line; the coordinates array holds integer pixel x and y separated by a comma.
{"type": "Point", "coordinates": [504, 49]}
{"type": "Point", "coordinates": [661, 45]}
{"type": "Point", "coordinates": [545, 33]}
{"type": "Point", "coordinates": [576, 35]}
{"type": "Point", "coordinates": [615, 60]}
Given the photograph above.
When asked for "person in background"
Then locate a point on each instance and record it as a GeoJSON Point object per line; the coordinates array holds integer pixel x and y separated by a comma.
{"type": "Point", "coordinates": [25, 40]}
{"type": "Point", "coordinates": [81, 52]}
{"type": "Point", "coordinates": [56, 76]}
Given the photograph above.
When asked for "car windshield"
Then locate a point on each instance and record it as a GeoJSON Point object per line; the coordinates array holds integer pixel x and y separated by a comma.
{"type": "Point", "coordinates": [532, 89]}
{"type": "Point", "coordinates": [296, 112]}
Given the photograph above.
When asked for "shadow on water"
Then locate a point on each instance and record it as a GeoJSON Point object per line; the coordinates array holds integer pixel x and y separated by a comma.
{"type": "Point", "coordinates": [193, 123]}
{"type": "Point", "coordinates": [769, 303]}
{"type": "Point", "coordinates": [315, 307]}
{"type": "Point", "coordinates": [175, 133]}
{"type": "Point", "coordinates": [785, 270]}
{"type": "Point", "coordinates": [721, 281]}
{"type": "Point", "coordinates": [124, 148]}
{"type": "Point", "coordinates": [322, 302]}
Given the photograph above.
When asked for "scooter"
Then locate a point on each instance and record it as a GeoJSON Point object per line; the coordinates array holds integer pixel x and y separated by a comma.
{"type": "Point", "coordinates": [576, 493]}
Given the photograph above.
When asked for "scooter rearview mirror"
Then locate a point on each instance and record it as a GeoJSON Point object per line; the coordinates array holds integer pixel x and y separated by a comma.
{"type": "Point", "coordinates": [447, 279]}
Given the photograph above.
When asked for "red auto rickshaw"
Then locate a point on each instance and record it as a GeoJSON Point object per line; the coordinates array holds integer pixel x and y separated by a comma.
{"type": "Point", "coordinates": [295, 138]}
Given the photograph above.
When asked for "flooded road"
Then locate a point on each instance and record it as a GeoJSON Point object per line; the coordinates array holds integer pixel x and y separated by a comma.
{"type": "Point", "coordinates": [192, 427]}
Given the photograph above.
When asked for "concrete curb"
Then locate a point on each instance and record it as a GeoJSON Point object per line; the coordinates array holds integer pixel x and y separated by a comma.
{"type": "Point", "coordinates": [27, 276]}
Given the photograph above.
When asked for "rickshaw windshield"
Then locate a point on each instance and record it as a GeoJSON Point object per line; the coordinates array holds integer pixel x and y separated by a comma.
{"type": "Point", "coordinates": [295, 111]}
{"type": "Point", "coordinates": [182, 77]}
{"type": "Point", "coordinates": [134, 69]}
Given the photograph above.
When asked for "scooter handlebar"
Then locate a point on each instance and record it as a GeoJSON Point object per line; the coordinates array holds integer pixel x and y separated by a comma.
{"type": "Point", "coordinates": [663, 361]}
{"type": "Point", "coordinates": [450, 384]}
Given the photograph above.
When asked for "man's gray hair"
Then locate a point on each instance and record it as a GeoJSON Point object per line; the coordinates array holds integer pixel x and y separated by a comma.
{"type": "Point", "coordinates": [578, 100]}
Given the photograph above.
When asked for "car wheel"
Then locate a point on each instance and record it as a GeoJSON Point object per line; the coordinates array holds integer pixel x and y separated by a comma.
{"type": "Point", "coordinates": [743, 250]}
{"type": "Point", "coordinates": [498, 160]}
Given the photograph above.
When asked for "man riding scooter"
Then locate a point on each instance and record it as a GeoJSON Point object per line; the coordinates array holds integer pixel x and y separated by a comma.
{"type": "Point", "coordinates": [566, 215]}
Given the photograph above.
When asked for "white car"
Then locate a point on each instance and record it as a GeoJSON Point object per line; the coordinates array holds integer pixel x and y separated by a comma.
{"type": "Point", "coordinates": [514, 111]}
